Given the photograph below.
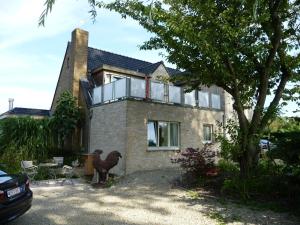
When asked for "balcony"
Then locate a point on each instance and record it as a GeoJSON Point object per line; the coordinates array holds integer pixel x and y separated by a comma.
{"type": "Point", "coordinates": [155, 91]}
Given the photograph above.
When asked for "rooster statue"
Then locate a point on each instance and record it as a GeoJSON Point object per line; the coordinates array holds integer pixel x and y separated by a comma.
{"type": "Point", "coordinates": [103, 166]}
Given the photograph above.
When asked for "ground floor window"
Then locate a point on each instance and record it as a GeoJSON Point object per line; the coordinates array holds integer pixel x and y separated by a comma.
{"type": "Point", "coordinates": [163, 135]}
{"type": "Point", "coordinates": [207, 133]}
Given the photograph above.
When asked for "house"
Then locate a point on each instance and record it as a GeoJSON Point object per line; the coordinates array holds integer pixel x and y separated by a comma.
{"type": "Point", "coordinates": [128, 109]}
{"type": "Point", "coordinates": [22, 112]}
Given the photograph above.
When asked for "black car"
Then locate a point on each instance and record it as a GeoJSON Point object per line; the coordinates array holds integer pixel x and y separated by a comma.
{"type": "Point", "coordinates": [15, 196]}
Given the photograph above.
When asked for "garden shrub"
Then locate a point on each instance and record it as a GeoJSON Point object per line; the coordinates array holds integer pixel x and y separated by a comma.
{"type": "Point", "coordinates": [24, 138]}
{"type": "Point", "coordinates": [66, 118]}
{"type": "Point", "coordinates": [287, 147]}
{"type": "Point", "coordinates": [228, 167]}
{"type": "Point", "coordinates": [196, 161]}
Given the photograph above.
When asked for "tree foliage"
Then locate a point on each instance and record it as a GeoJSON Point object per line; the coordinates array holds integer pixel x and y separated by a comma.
{"type": "Point", "coordinates": [66, 116]}
{"type": "Point", "coordinates": [24, 138]}
{"type": "Point", "coordinates": [249, 48]}
{"type": "Point", "coordinates": [283, 124]}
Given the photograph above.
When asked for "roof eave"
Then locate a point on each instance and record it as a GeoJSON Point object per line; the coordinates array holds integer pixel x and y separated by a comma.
{"type": "Point", "coordinates": [118, 70]}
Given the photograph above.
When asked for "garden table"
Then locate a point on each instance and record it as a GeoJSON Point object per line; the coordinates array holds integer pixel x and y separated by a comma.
{"type": "Point", "coordinates": [51, 168]}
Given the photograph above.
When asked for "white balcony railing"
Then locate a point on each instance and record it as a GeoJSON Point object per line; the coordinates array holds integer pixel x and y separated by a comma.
{"type": "Point", "coordinates": [152, 90]}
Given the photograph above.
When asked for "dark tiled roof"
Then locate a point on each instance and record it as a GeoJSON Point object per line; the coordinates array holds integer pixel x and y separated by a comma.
{"type": "Point", "coordinates": [150, 68]}
{"type": "Point", "coordinates": [27, 111]}
{"type": "Point", "coordinates": [98, 58]}
{"type": "Point", "coordinates": [86, 90]}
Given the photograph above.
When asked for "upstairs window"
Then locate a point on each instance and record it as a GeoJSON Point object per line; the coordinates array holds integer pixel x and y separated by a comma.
{"type": "Point", "coordinates": [163, 135]}
{"type": "Point", "coordinates": [215, 101]}
{"type": "Point", "coordinates": [207, 133]}
{"type": "Point", "coordinates": [203, 99]}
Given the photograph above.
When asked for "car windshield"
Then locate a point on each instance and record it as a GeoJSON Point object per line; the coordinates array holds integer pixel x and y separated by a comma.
{"type": "Point", "coordinates": [4, 177]}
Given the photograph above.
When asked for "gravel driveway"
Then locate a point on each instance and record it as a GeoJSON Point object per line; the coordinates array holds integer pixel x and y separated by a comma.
{"type": "Point", "coordinates": [141, 198]}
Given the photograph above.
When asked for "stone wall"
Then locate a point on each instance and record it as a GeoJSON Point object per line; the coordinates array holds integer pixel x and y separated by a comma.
{"type": "Point", "coordinates": [191, 132]}
{"type": "Point", "coordinates": [160, 72]}
{"type": "Point", "coordinates": [122, 126]}
{"type": "Point", "coordinates": [108, 131]}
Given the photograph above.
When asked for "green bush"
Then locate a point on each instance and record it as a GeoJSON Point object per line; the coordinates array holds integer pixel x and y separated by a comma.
{"type": "Point", "coordinates": [287, 147]}
{"type": "Point", "coordinates": [228, 167]}
{"type": "Point", "coordinates": [26, 138]}
{"type": "Point", "coordinates": [255, 186]}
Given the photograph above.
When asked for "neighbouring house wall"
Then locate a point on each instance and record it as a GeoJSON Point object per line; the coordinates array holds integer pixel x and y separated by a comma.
{"type": "Point", "coordinates": [191, 132]}
{"type": "Point", "coordinates": [23, 115]}
{"type": "Point", "coordinates": [108, 131]}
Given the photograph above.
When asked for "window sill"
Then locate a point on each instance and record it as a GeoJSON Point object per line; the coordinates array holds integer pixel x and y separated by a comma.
{"type": "Point", "coordinates": [153, 149]}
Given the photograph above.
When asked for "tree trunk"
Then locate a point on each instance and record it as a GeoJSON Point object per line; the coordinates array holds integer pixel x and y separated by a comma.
{"type": "Point", "coordinates": [249, 158]}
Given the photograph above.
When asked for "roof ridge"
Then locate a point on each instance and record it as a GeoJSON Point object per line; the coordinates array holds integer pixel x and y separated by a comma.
{"type": "Point", "coordinates": [120, 55]}
{"type": "Point", "coordinates": [159, 62]}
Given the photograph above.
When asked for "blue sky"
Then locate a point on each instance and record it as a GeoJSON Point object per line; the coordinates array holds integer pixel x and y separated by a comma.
{"type": "Point", "coordinates": [31, 56]}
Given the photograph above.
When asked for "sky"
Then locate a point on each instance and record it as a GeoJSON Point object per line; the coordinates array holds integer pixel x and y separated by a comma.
{"type": "Point", "coordinates": [31, 56]}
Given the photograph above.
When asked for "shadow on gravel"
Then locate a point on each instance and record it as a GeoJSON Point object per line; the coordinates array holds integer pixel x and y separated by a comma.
{"type": "Point", "coordinates": [140, 198]}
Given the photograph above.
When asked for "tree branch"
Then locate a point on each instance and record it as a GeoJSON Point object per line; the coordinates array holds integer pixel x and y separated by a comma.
{"type": "Point", "coordinates": [264, 76]}
{"type": "Point", "coordinates": [286, 75]}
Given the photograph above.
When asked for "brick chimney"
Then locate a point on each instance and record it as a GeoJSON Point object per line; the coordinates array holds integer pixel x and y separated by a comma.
{"type": "Point", "coordinates": [74, 66]}
{"type": "Point", "coordinates": [79, 51]}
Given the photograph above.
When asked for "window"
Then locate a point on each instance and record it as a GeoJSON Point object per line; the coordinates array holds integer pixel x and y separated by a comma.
{"type": "Point", "coordinates": [189, 98]}
{"type": "Point", "coordinates": [157, 91]}
{"type": "Point", "coordinates": [174, 94]}
{"type": "Point", "coordinates": [137, 88]}
{"type": "Point", "coordinates": [215, 101]}
{"type": "Point", "coordinates": [114, 77]}
{"type": "Point", "coordinates": [163, 135]}
{"type": "Point", "coordinates": [207, 133]}
{"type": "Point", "coordinates": [203, 99]}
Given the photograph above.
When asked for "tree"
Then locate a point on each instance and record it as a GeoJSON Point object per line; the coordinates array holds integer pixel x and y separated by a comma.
{"type": "Point", "coordinates": [249, 48]}
{"type": "Point", "coordinates": [66, 117]}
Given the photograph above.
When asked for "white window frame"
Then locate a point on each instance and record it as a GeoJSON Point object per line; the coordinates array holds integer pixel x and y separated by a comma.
{"type": "Point", "coordinates": [151, 148]}
{"type": "Point", "coordinates": [212, 132]}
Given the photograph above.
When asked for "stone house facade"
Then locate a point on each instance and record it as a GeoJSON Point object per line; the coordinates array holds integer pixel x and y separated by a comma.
{"type": "Point", "coordinates": [128, 109]}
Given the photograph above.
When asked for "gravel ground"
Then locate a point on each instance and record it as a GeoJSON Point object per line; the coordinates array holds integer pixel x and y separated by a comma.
{"type": "Point", "coordinates": [140, 198]}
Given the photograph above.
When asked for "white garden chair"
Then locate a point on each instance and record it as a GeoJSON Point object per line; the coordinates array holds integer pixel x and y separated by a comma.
{"type": "Point", "coordinates": [30, 169]}
{"type": "Point", "coordinates": [68, 171]}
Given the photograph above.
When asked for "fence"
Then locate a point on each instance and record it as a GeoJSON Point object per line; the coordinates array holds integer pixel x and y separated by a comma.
{"type": "Point", "coordinates": [155, 91]}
